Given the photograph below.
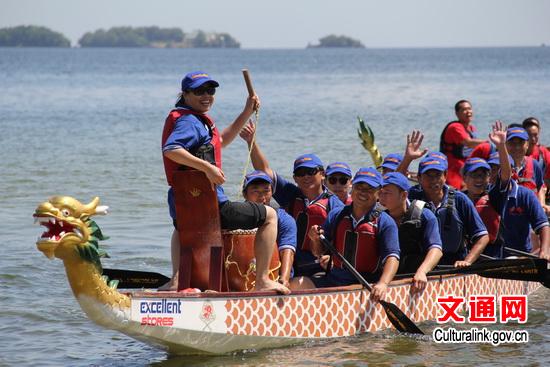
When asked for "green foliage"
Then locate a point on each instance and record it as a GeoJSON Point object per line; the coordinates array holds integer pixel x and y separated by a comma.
{"type": "Point", "coordinates": [90, 251]}
{"type": "Point", "coordinates": [154, 37]}
{"type": "Point", "coordinates": [338, 41]}
{"type": "Point", "coordinates": [219, 40]}
{"type": "Point", "coordinates": [32, 36]}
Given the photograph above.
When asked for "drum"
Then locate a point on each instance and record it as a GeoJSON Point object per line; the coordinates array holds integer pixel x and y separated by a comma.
{"type": "Point", "coordinates": [239, 268]}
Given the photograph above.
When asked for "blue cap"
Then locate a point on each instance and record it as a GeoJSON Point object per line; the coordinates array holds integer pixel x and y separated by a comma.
{"type": "Point", "coordinates": [195, 79]}
{"type": "Point", "coordinates": [256, 176]}
{"type": "Point", "coordinates": [339, 167]}
{"type": "Point", "coordinates": [391, 161]}
{"type": "Point", "coordinates": [397, 179]}
{"type": "Point", "coordinates": [308, 161]}
{"type": "Point", "coordinates": [474, 163]}
{"type": "Point", "coordinates": [440, 156]}
{"type": "Point", "coordinates": [516, 132]}
{"type": "Point", "coordinates": [431, 162]}
{"type": "Point", "coordinates": [494, 159]}
{"type": "Point", "coordinates": [368, 175]}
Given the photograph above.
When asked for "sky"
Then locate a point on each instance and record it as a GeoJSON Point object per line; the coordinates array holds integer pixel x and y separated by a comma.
{"type": "Point", "coordinates": [295, 23]}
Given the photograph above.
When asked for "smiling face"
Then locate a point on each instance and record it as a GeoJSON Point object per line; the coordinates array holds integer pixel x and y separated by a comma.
{"type": "Point", "coordinates": [202, 102]}
{"type": "Point", "coordinates": [477, 181]}
{"type": "Point", "coordinates": [432, 182]}
{"type": "Point", "coordinates": [465, 113]}
{"type": "Point", "coordinates": [309, 179]}
{"type": "Point", "coordinates": [517, 148]}
{"type": "Point", "coordinates": [339, 184]}
{"type": "Point", "coordinates": [533, 132]}
{"type": "Point", "coordinates": [364, 195]}
{"type": "Point", "coordinates": [258, 192]}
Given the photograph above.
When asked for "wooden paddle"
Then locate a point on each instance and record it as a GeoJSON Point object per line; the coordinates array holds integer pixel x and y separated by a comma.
{"type": "Point", "coordinates": [248, 82]}
{"type": "Point", "coordinates": [131, 279]}
{"type": "Point", "coordinates": [398, 319]}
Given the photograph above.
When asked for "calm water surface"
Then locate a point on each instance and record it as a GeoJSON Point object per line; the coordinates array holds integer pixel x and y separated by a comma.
{"type": "Point", "coordinates": [87, 122]}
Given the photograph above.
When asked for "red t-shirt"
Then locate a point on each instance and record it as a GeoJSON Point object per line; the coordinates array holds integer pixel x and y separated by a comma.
{"type": "Point", "coordinates": [483, 150]}
{"type": "Point", "coordinates": [455, 134]}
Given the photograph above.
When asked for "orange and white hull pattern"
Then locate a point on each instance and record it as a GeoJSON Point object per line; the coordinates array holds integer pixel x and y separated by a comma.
{"type": "Point", "coordinates": [216, 323]}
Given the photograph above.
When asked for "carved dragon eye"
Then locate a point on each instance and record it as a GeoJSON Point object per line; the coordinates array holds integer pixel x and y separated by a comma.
{"type": "Point", "coordinates": [65, 212]}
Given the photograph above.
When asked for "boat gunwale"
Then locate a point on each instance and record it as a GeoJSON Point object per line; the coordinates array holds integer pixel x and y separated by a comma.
{"type": "Point", "coordinates": [304, 292]}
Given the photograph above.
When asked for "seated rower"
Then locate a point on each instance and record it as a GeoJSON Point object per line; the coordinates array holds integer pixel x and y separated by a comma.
{"type": "Point", "coordinates": [365, 236]}
{"type": "Point", "coordinates": [190, 140]}
{"type": "Point", "coordinates": [463, 234]}
{"type": "Point", "coordinates": [308, 201]}
{"type": "Point", "coordinates": [477, 176]}
{"type": "Point", "coordinates": [539, 153]}
{"type": "Point", "coordinates": [525, 170]}
{"type": "Point", "coordinates": [258, 188]}
{"type": "Point", "coordinates": [338, 180]}
{"type": "Point", "coordinates": [419, 238]}
{"type": "Point", "coordinates": [520, 212]}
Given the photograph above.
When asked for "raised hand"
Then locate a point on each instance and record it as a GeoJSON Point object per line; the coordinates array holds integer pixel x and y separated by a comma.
{"type": "Point", "coordinates": [498, 135]}
{"type": "Point", "coordinates": [248, 131]}
{"type": "Point", "coordinates": [252, 104]}
{"type": "Point", "coordinates": [414, 143]}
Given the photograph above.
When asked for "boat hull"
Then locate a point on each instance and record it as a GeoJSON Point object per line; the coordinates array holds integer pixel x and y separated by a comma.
{"type": "Point", "coordinates": [218, 323]}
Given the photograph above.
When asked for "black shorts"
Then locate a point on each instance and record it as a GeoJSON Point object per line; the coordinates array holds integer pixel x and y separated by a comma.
{"type": "Point", "coordinates": [242, 215]}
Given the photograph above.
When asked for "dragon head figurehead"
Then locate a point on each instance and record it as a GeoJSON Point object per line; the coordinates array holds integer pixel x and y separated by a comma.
{"type": "Point", "coordinates": [69, 229]}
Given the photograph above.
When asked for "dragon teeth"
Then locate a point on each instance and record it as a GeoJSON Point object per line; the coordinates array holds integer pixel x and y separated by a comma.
{"type": "Point", "coordinates": [78, 233]}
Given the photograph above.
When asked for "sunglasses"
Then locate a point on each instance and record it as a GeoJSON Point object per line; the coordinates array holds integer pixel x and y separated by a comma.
{"type": "Point", "coordinates": [202, 90]}
{"type": "Point", "coordinates": [301, 172]}
{"type": "Point", "coordinates": [340, 180]}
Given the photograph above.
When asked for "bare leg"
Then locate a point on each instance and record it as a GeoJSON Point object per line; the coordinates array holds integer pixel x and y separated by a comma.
{"type": "Point", "coordinates": [264, 244]}
{"type": "Point", "coordinates": [172, 285]}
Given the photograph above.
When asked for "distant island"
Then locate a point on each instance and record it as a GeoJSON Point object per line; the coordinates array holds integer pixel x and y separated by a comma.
{"type": "Point", "coordinates": [36, 36]}
{"type": "Point", "coordinates": [32, 36]}
{"type": "Point", "coordinates": [156, 37]}
{"type": "Point", "coordinates": [333, 40]}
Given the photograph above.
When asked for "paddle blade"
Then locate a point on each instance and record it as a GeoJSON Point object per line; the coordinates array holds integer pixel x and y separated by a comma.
{"type": "Point", "coordinates": [131, 279]}
{"type": "Point", "coordinates": [399, 320]}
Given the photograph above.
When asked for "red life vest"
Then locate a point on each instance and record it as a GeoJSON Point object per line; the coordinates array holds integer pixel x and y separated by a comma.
{"type": "Point", "coordinates": [489, 216]}
{"type": "Point", "coordinates": [169, 165]}
{"type": "Point", "coordinates": [456, 150]}
{"type": "Point", "coordinates": [359, 245]}
{"type": "Point", "coordinates": [314, 214]}
{"type": "Point", "coordinates": [527, 178]}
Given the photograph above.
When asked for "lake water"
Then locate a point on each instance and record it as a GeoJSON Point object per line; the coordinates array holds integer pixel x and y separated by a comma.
{"type": "Point", "coordinates": [87, 122]}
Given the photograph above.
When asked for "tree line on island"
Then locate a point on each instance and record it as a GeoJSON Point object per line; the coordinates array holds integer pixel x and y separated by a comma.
{"type": "Point", "coordinates": [37, 36]}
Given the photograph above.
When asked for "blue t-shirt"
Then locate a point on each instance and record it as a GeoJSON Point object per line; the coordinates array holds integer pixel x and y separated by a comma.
{"type": "Point", "coordinates": [431, 236]}
{"type": "Point", "coordinates": [190, 133]}
{"type": "Point", "coordinates": [286, 231]}
{"type": "Point", "coordinates": [285, 192]}
{"type": "Point", "coordinates": [520, 211]}
{"type": "Point", "coordinates": [387, 237]}
{"type": "Point", "coordinates": [473, 225]}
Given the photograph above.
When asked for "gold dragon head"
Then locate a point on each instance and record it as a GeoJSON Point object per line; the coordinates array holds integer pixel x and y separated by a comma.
{"type": "Point", "coordinates": [69, 229]}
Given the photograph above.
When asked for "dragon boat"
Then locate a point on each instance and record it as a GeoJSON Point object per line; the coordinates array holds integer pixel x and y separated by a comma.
{"type": "Point", "coordinates": [227, 320]}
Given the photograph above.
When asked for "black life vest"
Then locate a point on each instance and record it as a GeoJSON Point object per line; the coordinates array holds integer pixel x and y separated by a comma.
{"type": "Point", "coordinates": [451, 228]}
{"type": "Point", "coordinates": [411, 237]}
